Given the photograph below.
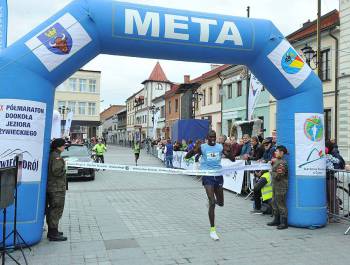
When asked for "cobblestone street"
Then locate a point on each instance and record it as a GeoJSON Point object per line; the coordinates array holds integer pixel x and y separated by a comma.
{"type": "Point", "coordinates": [159, 219]}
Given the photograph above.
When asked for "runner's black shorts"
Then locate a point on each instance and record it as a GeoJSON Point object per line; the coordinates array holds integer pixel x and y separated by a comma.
{"type": "Point", "coordinates": [216, 181]}
{"type": "Point", "coordinates": [137, 155]}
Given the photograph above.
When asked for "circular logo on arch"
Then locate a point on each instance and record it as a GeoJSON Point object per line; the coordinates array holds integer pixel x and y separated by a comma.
{"type": "Point", "coordinates": [313, 128]}
{"type": "Point", "coordinates": [292, 62]}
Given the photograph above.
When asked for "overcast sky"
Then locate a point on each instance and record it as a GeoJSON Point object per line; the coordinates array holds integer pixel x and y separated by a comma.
{"type": "Point", "coordinates": [122, 76]}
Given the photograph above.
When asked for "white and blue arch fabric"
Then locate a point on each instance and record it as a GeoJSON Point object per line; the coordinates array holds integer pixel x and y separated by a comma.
{"type": "Point", "coordinates": [32, 67]}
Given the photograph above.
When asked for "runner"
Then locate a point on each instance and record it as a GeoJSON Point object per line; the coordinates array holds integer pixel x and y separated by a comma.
{"type": "Point", "coordinates": [211, 153]}
{"type": "Point", "coordinates": [136, 148]}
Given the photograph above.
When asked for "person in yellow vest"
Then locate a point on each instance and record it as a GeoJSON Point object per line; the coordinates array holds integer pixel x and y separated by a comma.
{"type": "Point", "coordinates": [137, 149]}
{"type": "Point", "coordinates": [262, 190]}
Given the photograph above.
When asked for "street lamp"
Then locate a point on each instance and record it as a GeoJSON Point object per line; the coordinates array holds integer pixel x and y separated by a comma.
{"type": "Point", "coordinates": [310, 56]}
{"type": "Point", "coordinates": [63, 110]}
{"type": "Point", "coordinates": [154, 110]}
{"type": "Point", "coordinates": [196, 97]}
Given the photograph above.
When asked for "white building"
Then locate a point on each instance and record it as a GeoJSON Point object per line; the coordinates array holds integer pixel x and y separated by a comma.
{"type": "Point", "coordinates": [80, 94]}
{"type": "Point", "coordinates": [344, 80]}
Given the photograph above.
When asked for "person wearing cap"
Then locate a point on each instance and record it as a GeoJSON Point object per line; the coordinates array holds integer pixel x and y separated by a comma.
{"type": "Point", "coordinates": [279, 173]}
{"type": "Point", "coordinates": [56, 190]}
{"type": "Point", "coordinates": [269, 150]}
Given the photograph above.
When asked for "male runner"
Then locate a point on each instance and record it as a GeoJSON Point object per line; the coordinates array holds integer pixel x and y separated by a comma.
{"type": "Point", "coordinates": [211, 153]}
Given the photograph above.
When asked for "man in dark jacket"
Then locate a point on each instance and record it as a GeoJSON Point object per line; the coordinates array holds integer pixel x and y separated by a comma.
{"type": "Point", "coordinates": [269, 149]}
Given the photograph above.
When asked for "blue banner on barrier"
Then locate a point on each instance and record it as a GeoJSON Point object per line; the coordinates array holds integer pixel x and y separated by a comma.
{"type": "Point", "coordinates": [3, 24]}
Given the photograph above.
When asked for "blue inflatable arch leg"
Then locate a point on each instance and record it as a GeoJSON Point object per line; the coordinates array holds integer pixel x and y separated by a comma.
{"type": "Point", "coordinates": [31, 68]}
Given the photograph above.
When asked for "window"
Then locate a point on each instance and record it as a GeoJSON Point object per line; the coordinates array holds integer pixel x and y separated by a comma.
{"type": "Point", "coordinates": [325, 65]}
{"type": "Point", "coordinates": [82, 106]}
{"type": "Point", "coordinates": [176, 105]}
{"type": "Point", "coordinates": [219, 94]}
{"type": "Point", "coordinates": [92, 86]}
{"type": "Point", "coordinates": [169, 106]}
{"type": "Point", "coordinates": [162, 112]}
{"type": "Point", "coordinates": [262, 124]}
{"type": "Point", "coordinates": [239, 88]}
{"type": "Point", "coordinates": [83, 85]}
{"type": "Point", "coordinates": [60, 104]}
{"type": "Point", "coordinates": [328, 123]}
{"type": "Point", "coordinates": [92, 108]}
{"type": "Point", "coordinates": [210, 96]}
{"type": "Point", "coordinates": [204, 97]}
{"type": "Point", "coordinates": [71, 106]}
{"type": "Point", "coordinates": [229, 91]}
{"type": "Point", "coordinates": [72, 84]}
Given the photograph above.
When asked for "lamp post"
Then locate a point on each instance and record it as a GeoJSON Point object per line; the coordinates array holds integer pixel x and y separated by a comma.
{"type": "Point", "coordinates": [196, 97]}
{"type": "Point", "coordinates": [63, 110]}
{"type": "Point", "coordinates": [310, 56]}
{"type": "Point", "coordinates": [153, 109]}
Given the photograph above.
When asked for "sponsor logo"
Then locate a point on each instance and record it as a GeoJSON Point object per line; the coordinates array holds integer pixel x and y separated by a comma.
{"type": "Point", "coordinates": [7, 159]}
{"type": "Point", "coordinates": [292, 62]}
{"type": "Point", "coordinates": [313, 128]}
{"type": "Point", "coordinates": [57, 39]}
{"type": "Point", "coordinates": [313, 156]}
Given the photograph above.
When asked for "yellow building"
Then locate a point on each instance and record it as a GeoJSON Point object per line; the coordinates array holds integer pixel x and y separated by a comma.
{"type": "Point", "coordinates": [80, 94]}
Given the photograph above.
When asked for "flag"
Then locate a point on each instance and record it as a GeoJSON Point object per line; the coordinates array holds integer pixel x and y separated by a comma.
{"type": "Point", "coordinates": [56, 125]}
{"type": "Point", "coordinates": [255, 88]}
{"type": "Point", "coordinates": [3, 24]}
{"type": "Point", "coordinates": [156, 119]}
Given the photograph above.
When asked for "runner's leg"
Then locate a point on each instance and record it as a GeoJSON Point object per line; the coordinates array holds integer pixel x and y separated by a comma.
{"type": "Point", "coordinates": [211, 199]}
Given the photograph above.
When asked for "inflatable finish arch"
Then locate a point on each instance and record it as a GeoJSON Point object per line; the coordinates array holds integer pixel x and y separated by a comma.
{"type": "Point", "coordinates": [32, 67]}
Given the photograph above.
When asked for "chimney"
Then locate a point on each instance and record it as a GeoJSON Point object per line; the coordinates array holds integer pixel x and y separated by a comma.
{"type": "Point", "coordinates": [187, 79]}
{"type": "Point", "coordinates": [307, 23]}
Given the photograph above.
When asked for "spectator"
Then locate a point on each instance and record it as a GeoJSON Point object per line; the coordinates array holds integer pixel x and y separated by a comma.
{"type": "Point", "coordinates": [257, 150]}
{"type": "Point", "coordinates": [190, 146]}
{"type": "Point", "coordinates": [168, 151]}
{"type": "Point", "coordinates": [183, 145]}
{"type": "Point", "coordinates": [269, 150]}
{"type": "Point", "coordinates": [262, 189]}
{"type": "Point", "coordinates": [246, 148]}
{"type": "Point", "coordinates": [236, 147]}
{"type": "Point", "coordinates": [227, 150]}
{"type": "Point", "coordinates": [177, 146]}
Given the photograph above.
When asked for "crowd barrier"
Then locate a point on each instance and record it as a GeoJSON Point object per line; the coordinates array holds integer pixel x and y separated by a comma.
{"type": "Point", "coordinates": [238, 181]}
{"type": "Point", "coordinates": [338, 196]}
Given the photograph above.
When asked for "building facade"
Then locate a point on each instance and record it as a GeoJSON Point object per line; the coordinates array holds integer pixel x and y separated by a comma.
{"type": "Point", "coordinates": [344, 80]}
{"type": "Point", "coordinates": [306, 37]}
{"type": "Point", "coordinates": [109, 122]}
{"type": "Point", "coordinates": [172, 108]}
{"type": "Point", "coordinates": [234, 105]}
{"type": "Point", "coordinates": [80, 94]}
{"type": "Point", "coordinates": [121, 130]}
{"type": "Point", "coordinates": [130, 115]}
{"type": "Point", "coordinates": [209, 104]}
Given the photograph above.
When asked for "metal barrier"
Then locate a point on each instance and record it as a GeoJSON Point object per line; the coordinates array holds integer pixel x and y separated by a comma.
{"type": "Point", "coordinates": [338, 196]}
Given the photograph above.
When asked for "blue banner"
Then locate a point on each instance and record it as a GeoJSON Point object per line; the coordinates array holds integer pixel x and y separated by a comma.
{"type": "Point", "coordinates": [3, 24]}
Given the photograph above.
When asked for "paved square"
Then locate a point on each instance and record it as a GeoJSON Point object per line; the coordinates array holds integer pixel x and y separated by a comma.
{"type": "Point", "coordinates": [145, 219]}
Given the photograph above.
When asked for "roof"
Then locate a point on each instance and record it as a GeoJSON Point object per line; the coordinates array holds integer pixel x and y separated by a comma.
{"type": "Point", "coordinates": [121, 111]}
{"type": "Point", "coordinates": [309, 28]}
{"type": "Point", "coordinates": [133, 95]}
{"type": "Point", "coordinates": [172, 91]}
{"type": "Point", "coordinates": [157, 75]}
{"type": "Point", "coordinates": [211, 73]}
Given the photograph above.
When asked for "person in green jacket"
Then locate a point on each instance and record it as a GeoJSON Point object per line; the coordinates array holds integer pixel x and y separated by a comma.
{"type": "Point", "coordinates": [56, 190]}
{"type": "Point", "coordinates": [137, 149]}
{"type": "Point", "coordinates": [100, 149]}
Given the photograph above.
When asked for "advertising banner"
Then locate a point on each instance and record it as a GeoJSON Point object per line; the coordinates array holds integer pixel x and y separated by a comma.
{"type": "Point", "coordinates": [22, 126]}
{"type": "Point", "coordinates": [310, 143]}
{"type": "Point", "coordinates": [233, 181]}
{"type": "Point", "coordinates": [68, 123]}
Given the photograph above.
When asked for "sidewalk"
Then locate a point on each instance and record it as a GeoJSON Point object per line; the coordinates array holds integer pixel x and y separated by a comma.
{"type": "Point", "coordinates": [131, 219]}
